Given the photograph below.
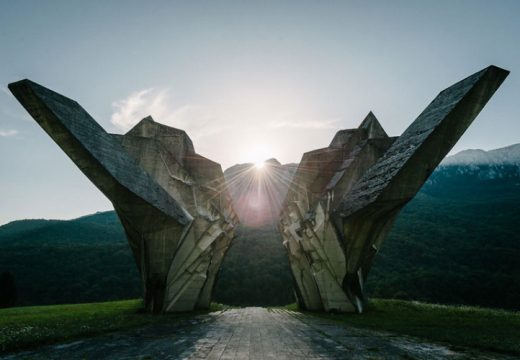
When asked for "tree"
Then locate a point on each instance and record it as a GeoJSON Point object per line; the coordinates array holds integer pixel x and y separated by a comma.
{"type": "Point", "coordinates": [7, 290]}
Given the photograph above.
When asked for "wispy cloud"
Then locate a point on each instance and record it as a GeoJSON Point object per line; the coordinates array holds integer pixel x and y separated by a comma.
{"type": "Point", "coordinates": [127, 112]}
{"type": "Point", "coordinates": [6, 133]}
{"type": "Point", "coordinates": [195, 119]}
{"type": "Point", "coordinates": [251, 124]}
{"type": "Point", "coordinates": [210, 119]}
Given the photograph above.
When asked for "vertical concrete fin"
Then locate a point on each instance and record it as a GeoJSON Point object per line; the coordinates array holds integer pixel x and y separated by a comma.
{"type": "Point", "coordinates": [162, 191]}
{"type": "Point", "coordinates": [374, 176]}
{"type": "Point", "coordinates": [407, 164]}
{"type": "Point", "coordinates": [373, 127]}
{"type": "Point", "coordinates": [92, 149]}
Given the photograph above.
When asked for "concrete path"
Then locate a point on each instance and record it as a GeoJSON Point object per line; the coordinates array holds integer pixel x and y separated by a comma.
{"type": "Point", "coordinates": [250, 333]}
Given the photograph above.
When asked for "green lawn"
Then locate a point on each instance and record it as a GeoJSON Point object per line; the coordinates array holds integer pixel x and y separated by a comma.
{"type": "Point", "coordinates": [25, 327]}
{"type": "Point", "coordinates": [485, 329]}
{"type": "Point", "coordinates": [473, 327]}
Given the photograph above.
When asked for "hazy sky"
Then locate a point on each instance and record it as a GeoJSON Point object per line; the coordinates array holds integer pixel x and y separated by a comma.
{"type": "Point", "coordinates": [247, 80]}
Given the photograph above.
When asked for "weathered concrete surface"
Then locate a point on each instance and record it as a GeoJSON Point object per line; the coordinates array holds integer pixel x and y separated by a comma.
{"type": "Point", "coordinates": [344, 198]}
{"type": "Point", "coordinates": [172, 202]}
{"type": "Point", "coordinates": [251, 333]}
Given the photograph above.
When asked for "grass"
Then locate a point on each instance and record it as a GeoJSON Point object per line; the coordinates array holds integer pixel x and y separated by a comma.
{"type": "Point", "coordinates": [26, 327]}
{"type": "Point", "coordinates": [479, 328]}
{"type": "Point", "coordinates": [473, 327]}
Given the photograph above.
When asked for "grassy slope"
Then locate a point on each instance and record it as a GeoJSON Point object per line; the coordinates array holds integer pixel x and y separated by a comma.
{"type": "Point", "coordinates": [486, 329]}
{"type": "Point", "coordinates": [473, 327]}
{"type": "Point", "coordinates": [25, 327]}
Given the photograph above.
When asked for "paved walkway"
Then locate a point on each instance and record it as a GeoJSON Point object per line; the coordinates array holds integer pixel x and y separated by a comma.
{"type": "Point", "coordinates": [250, 333]}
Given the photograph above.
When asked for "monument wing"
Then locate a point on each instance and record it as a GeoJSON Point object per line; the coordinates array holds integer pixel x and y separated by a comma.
{"type": "Point", "coordinates": [173, 203]}
{"type": "Point", "coordinates": [344, 199]}
{"type": "Point", "coordinates": [102, 159]}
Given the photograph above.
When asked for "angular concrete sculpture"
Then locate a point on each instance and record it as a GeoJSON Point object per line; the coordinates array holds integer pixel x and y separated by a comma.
{"type": "Point", "coordinates": [344, 198]}
{"type": "Point", "coordinates": [173, 203]}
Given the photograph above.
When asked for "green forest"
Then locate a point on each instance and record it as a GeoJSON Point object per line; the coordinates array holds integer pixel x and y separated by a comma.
{"type": "Point", "coordinates": [456, 242]}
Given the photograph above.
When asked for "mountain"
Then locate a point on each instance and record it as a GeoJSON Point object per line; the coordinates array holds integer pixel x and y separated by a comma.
{"type": "Point", "coordinates": [255, 271]}
{"type": "Point", "coordinates": [457, 241]}
{"type": "Point", "coordinates": [81, 260]}
{"type": "Point", "coordinates": [509, 155]}
{"type": "Point", "coordinates": [99, 228]}
{"type": "Point", "coordinates": [256, 268]}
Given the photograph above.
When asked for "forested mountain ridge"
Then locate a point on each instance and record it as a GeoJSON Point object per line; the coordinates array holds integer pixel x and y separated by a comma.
{"type": "Point", "coordinates": [457, 241]}
{"type": "Point", "coordinates": [81, 260]}
{"type": "Point", "coordinates": [102, 227]}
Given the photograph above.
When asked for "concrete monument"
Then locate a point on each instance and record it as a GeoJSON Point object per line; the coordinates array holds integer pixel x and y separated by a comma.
{"type": "Point", "coordinates": [343, 199]}
{"type": "Point", "coordinates": [172, 202]}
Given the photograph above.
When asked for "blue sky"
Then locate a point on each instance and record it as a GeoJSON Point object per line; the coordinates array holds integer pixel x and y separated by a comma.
{"type": "Point", "coordinates": [247, 80]}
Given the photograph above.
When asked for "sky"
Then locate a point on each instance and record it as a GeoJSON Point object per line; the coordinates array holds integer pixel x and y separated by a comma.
{"type": "Point", "coordinates": [247, 80]}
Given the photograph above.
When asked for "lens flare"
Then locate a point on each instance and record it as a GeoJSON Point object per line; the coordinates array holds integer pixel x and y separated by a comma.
{"type": "Point", "coordinates": [258, 190]}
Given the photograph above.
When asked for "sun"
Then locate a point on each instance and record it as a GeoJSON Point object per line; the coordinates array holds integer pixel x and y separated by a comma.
{"type": "Point", "coordinates": [256, 154]}
{"type": "Point", "coordinates": [259, 165]}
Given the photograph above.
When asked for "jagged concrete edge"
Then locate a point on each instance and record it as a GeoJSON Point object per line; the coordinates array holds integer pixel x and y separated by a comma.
{"type": "Point", "coordinates": [49, 109]}
{"type": "Point", "coordinates": [473, 91]}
